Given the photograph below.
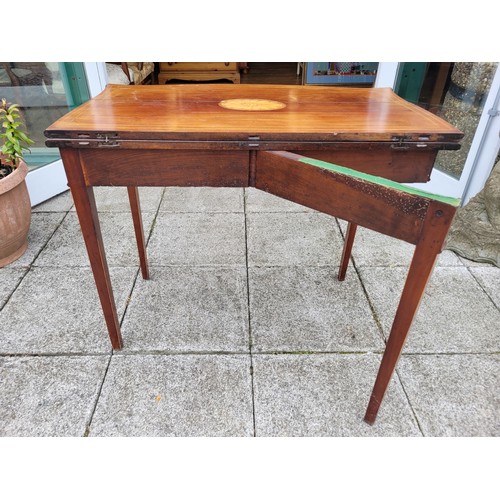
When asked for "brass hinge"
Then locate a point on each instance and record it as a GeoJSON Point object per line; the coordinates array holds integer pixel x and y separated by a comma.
{"type": "Point", "coordinates": [399, 142]}
{"type": "Point", "coordinates": [99, 140]}
{"type": "Point", "coordinates": [108, 140]}
{"type": "Point", "coordinates": [405, 142]}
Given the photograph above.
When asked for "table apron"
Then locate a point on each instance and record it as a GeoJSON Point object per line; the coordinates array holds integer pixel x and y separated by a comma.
{"type": "Point", "coordinates": [203, 167]}
{"type": "Point", "coordinates": [129, 167]}
{"type": "Point", "coordinates": [398, 164]}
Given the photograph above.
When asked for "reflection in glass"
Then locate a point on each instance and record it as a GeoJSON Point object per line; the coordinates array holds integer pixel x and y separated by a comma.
{"type": "Point", "coordinates": [454, 91]}
{"type": "Point", "coordinates": [38, 87]}
{"type": "Point", "coordinates": [463, 104]}
{"type": "Point", "coordinates": [341, 73]}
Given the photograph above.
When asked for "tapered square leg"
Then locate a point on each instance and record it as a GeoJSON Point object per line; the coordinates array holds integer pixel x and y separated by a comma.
{"type": "Point", "coordinates": [83, 197]}
{"type": "Point", "coordinates": [346, 254]}
{"type": "Point", "coordinates": [135, 207]}
{"type": "Point", "coordinates": [435, 229]}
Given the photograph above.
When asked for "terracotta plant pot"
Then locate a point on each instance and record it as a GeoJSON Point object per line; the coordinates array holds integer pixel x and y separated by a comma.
{"type": "Point", "coordinates": [15, 215]}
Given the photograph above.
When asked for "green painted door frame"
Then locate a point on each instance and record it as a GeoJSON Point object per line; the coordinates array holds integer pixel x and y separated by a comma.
{"type": "Point", "coordinates": [410, 79]}
{"type": "Point", "coordinates": [75, 83]}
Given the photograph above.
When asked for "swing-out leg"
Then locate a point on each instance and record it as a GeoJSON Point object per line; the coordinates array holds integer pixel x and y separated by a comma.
{"type": "Point", "coordinates": [437, 222]}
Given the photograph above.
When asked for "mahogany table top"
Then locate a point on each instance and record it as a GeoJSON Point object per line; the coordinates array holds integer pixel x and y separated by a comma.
{"type": "Point", "coordinates": [270, 112]}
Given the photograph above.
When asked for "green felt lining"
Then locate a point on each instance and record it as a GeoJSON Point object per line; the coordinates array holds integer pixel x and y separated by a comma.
{"type": "Point", "coordinates": [381, 181]}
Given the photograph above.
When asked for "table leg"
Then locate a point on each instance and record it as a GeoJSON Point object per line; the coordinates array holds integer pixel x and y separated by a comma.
{"type": "Point", "coordinates": [83, 197]}
{"type": "Point", "coordinates": [432, 239]}
{"type": "Point", "coordinates": [135, 207]}
{"type": "Point", "coordinates": [418, 275]}
{"type": "Point", "coordinates": [346, 254]}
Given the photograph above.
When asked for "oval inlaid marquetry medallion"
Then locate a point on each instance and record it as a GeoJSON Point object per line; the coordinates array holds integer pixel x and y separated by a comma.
{"type": "Point", "coordinates": [252, 104]}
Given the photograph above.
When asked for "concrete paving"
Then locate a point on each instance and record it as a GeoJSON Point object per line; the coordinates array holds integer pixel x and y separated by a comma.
{"type": "Point", "coordinates": [242, 330]}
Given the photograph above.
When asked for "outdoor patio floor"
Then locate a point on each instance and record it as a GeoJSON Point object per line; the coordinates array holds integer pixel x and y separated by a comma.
{"type": "Point", "coordinates": [243, 328]}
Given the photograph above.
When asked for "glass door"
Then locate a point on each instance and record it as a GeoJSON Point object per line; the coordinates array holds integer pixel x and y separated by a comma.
{"type": "Point", "coordinates": [465, 94]}
{"type": "Point", "coordinates": [45, 91]}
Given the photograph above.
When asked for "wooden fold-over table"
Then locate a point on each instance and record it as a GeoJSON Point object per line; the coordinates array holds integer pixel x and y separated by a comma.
{"type": "Point", "coordinates": [278, 138]}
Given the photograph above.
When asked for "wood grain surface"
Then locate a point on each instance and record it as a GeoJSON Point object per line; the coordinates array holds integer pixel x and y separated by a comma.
{"type": "Point", "coordinates": [192, 112]}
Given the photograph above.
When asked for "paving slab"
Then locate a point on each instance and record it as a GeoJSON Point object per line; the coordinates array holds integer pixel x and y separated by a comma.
{"type": "Point", "coordinates": [374, 249]}
{"type": "Point", "coordinates": [325, 395]}
{"type": "Point", "coordinates": [115, 198]}
{"type": "Point", "coordinates": [202, 199]}
{"type": "Point", "coordinates": [57, 311]}
{"type": "Point", "coordinates": [175, 395]}
{"type": "Point", "coordinates": [260, 201]}
{"type": "Point", "coordinates": [49, 396]}
{"type": "Point", "coordinates": [455, 315]}
{"type": "Point", "coordinates": [473, 263]}
{"type": "Point", "coordinates": [308, 309]}
{"type": "Point", "coordinates": [186, 309]}
{"type": "Point", "coordinates": [454, 395]}
{"type": "Point", "coordinates": [293, 239]}
{"type": "Point", "coordinates": [66, 248]}
{"type": "Point", "coordinates": [489, 279]}
{"type": "Point", "coordinates": [42, 227]}
{"type": "Point", "coordinates": [198, 239]}
{"type": "Point", "coordinates": [9, 279]}
{"type": "Point", "coordinates": [60, 203]}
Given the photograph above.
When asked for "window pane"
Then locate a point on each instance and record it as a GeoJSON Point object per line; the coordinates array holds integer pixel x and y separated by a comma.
{"type": "Point", "coordinates": [455, 91]}
{"type": "Point", "coordinates": [41, 91]}
{"type": "Point", "coordinates": [361, 74]}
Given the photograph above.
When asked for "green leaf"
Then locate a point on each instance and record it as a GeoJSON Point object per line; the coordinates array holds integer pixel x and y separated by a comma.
{"type": "Point", "coordinates": [15, 139]}
{"type": "Point", "coordinates": [24, 137]}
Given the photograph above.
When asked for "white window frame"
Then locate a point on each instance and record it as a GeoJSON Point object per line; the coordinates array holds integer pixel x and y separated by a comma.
{"type": "Point", "coordinates": [39, 188]}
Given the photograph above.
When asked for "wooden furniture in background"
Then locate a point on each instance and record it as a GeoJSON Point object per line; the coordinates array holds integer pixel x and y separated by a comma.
{"type": "Point", "coordinates": [142, 72]}
{"type": "Point", "coordinates": [130, 73]}
{"type": "Point", "coordinates": [275, 138]}
{"type": "Point", "coordinates": [439, 90]}
{"type": "Point", "coordinates": [199, 71]}
{"type": "Point", "coordinates": [243, 67]}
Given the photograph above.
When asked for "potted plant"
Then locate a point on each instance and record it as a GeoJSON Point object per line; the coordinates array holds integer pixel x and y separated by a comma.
{"type": "Point", "coordinates": [15, 206]}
